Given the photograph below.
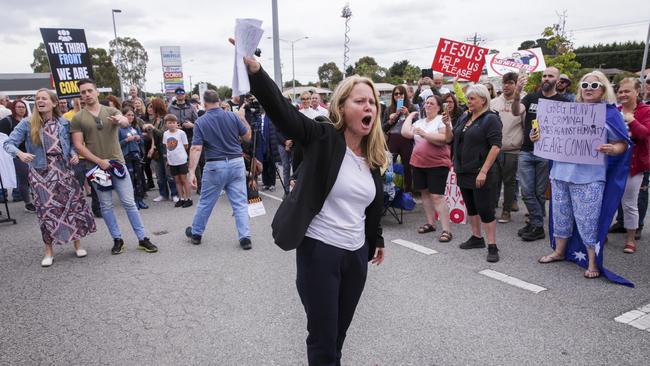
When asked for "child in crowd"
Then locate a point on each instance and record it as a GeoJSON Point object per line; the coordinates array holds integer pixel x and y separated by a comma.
{"type": "Point", "coordinates": [176, 143]}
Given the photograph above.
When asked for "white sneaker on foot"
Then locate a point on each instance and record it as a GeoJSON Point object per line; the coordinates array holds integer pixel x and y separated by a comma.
{"type": "Point", "coordinates": [47, 261]}
{"type": "Point", "coordinates": [159, 198]}
{"type": "Point", "coordinates": [81, 253]}
{"type": "Point", "coordinates": [175, 198]}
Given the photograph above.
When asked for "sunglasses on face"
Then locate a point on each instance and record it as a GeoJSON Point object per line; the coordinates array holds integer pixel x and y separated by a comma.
{"type": "Point", "coordinates": [99, 123]}
{"type": "Point", "coordinates": [563, 81]}
{"type": "Point", "coordinates": [397, 93]}
{"type": "Point", "coordinates": [593, 85]}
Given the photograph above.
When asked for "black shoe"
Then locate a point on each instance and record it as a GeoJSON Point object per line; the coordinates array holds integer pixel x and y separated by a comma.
{"type": "Point", "coordinates": [493, 253]}
{"type": "Point", "coordinates": [118, 246]}
{"type": "Point", "coordinates": [187, 203]}
{"type": "Point", "coordinates": [97, 214]}
{"type": "Point", "coordinates": [473, 243]}
{"type": "Point", "coordinates": [245, 244]}
{"type": "Point", "coordinates": [146, 245]}
{"type": "Point", "coordinates": [179, 203]}
{"type": "Point", "coordinates": [535, 233]}
{"type": "Point", "coordinates": [617, 228]}
{"type": "Point", "coordinates": [524, 229]}
{"type": "Point", "coordinates": [142, 205]}
{"type": "Point", "coordinates": [196, 239]}
{"type": "Point", "coordinates": [30, 208]}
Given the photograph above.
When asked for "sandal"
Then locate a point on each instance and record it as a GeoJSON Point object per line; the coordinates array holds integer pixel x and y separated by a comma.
{"type": "Point", "coordinates": [629, 248]}
{"type": "Point", "coordinates": [550, 259]}
{"type": "Point", "coordinates": [591, 274]}
{"type": "Point", "coordinates": [426, 228]}
{"type": "Point", "coordinates": [445, 237]}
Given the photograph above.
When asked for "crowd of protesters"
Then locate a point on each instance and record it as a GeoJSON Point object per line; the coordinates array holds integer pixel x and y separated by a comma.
{"type": "Point", "coordinates": [332, 159]}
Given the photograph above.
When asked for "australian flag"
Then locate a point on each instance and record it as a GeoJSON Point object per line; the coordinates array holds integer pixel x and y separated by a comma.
{"type": "Point", "coordinates": [618, 168]}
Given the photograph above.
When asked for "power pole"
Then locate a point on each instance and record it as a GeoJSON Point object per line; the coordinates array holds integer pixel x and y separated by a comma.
{"type": "Point", "coordinates": [476, 39]}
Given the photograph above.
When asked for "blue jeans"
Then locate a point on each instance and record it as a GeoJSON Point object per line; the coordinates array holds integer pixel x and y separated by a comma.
{"type": "Point", "coordinates": [230, 176]}
{"type": "Point", "coordinates": [166, 185]}
{"type": "Point", "coordinates": [533, 178]}
{"type": "Point", "coordinates": [124, 190]}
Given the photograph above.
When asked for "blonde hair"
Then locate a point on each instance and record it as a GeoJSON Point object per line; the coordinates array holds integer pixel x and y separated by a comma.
{"type": "Point", "coordinates": [636, 84]}
{"type": "Point", "coordinates": [482, 92]}
{"type": "Point", "coordinates": [608, 94]}
{"type": "Point", "coordinates": [36, 120]}
{"type": "Point", "coordinates": [374, 144]}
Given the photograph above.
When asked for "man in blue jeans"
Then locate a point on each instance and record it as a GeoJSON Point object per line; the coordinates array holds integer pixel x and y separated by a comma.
{"type": "Point", "coordinates": [95, 136]}
{"type": "Point", "coordinates": [217, 133]}
{"type": "Point", "coordinates": [534, 171]}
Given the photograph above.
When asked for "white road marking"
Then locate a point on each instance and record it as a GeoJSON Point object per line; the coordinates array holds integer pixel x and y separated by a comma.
{"type": "Point", "coordinates": [271, 196]}
{"type": "Point", "coordinates": [512, 281]}
{"type": "Point", "coordinates": [638, 318]}
{"type": "Point", "coordinates": [416, 247]}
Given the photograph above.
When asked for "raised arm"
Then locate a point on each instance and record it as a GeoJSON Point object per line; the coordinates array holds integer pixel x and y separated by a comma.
{"type": "Point", "coordinates": [285, 116]}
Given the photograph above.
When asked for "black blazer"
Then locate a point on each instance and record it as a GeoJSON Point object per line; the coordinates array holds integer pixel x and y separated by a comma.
{"type": "Point", "coordinates": [324, 149]}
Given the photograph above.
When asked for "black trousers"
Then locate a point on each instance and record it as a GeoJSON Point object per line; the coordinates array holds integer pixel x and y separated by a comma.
{"type": "Point", "coordinates": [268, 171]}
{"type": "Point", "coordinates": [330, 281]}
{"type": "Point", "coordinates": [134, 165]}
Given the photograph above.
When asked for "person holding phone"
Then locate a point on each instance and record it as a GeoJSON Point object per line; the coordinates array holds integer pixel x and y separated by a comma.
{"type": "Point", "coordinates": [393, 120]}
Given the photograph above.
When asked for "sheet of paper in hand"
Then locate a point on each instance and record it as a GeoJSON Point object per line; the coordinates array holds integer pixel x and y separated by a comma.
{"type": "Point", "coordinates": [248, 33]}
{"type": "Point", "coordinates": [255, 207]}
{"type": "Point", "coordinates": [571, 132]}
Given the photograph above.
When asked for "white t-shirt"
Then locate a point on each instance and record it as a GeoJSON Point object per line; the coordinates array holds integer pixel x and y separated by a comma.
{"type": "Point", "coordinates": [341, 221]}
{"type": "Point", "coordinates": [432, 127]}
{"type": "Point", "coordinates": [175, 144]}
{"type": "Point", "coordinates": [4, 111]}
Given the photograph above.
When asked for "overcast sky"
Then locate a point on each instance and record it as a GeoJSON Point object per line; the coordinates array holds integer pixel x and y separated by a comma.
{"type": "Point", "coordinates": [388, 30]}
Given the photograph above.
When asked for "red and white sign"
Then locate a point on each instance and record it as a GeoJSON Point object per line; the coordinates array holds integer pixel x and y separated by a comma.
{"type": "Point", "coordinates": [501, 63]}
{"type": "Point", "coordinates": [459, 59]}
{"type": "Point", "coordinates": [454, 198]}
{"type": "Point", "coordinates": [173, 75]}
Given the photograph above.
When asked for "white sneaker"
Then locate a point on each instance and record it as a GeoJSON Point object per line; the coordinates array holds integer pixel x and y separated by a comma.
{"type": "Point", "coordinates": [175, 198]}
{"type": "Point", "coordinates": [159, 198]}
{"type": "Point", "coordinates": [47, 261]}
{"type": "Point", "coordinates": [81, 253]}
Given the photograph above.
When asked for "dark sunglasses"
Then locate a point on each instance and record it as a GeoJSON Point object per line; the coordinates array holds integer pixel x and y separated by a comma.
{"type": "Point", "coordinates": [563, 81]}
{"type": "Point", "coordinates": [99, 123]}
{"type": "Point", "coordinates": [593, 85]}
{"type": "Point", "coordinates": [397, 93]}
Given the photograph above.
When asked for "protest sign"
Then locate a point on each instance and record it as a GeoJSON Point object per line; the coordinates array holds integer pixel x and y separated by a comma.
{"type": "Point", "coordinates": [454, 199]}
{"type": "Point", "coordinates": [67, 53]}
{"type": "Point", "coordinates": [501, 63]}
{"type": "Point", "coordinates": [459, 59]}
{"type": "Point", "coordinates": [571, 132]}
{"type": "Point", "coordinates": [172, 65]}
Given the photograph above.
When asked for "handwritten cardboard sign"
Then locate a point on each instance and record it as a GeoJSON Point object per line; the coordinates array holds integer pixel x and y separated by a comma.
{"type": "Point", "coordinates": [459, 59]}
{"type": "Point", "coordinates": [571, 132]}
{"type": "Point", "coordinates": [67, 53]}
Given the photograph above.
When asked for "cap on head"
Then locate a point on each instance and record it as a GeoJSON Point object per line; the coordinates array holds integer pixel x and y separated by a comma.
{"type": "Point", "coordinates": [565, 77]}
{"type": "Point", "coordinates": [179, 91]}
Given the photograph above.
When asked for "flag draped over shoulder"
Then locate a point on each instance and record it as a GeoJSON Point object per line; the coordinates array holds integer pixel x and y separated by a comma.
{"type": "Point", "coordinates": [618, 168]}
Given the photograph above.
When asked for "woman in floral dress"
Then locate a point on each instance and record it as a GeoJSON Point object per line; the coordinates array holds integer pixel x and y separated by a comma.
{"type": "Point", "coordinates": [62, 211]}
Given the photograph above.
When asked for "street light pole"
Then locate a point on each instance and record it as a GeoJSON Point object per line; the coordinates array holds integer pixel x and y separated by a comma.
{"type": "Point", "coordinates": [117, 51]}
{"type": "Point", "coordinates": [293, 62]}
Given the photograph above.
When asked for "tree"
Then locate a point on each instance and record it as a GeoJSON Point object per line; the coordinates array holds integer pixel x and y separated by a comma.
{"type": "Point", "coordinates": [104, 71]}
{"type": "Point", "coordinates": [40, 64]}
{"type": "Point", "coordinates": [329, 75]}
{"type": "Point", "coordinates": [402, 71]}
{"type": "Point", "coordinates": [289, 84]}
{"type": "Point", "coordinates": [132, 64]}
{"type": "Point", "coordinates": [367, 66]}
{"type": "Point", "coordinates": [625, 56]}
{"type": "Point", "coordinates": [349, 71]}
{"type": "Point", "coordinates": [560, 54]}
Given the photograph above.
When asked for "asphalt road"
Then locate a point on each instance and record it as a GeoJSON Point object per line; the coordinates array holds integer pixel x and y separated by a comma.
{"type": "Point", "coordinates": [215, 304]}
